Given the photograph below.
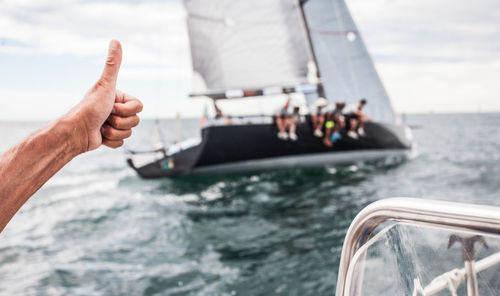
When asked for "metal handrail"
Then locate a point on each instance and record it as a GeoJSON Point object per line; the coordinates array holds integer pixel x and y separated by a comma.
{"type": "Point", "coordinates": [447, 215]}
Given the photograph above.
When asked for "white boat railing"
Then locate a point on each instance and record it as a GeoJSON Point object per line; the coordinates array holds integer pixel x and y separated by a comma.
{"type": "Point", "coordinates": [477, 219]}
{"type": "Point", "coordinates": [452, 279]}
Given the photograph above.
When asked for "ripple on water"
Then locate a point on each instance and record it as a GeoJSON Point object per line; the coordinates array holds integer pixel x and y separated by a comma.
{"type": "Point", "coordinates": [97, 229]}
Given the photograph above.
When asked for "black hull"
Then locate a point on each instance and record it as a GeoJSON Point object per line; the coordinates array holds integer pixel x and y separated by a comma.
{"type": "Point", "coordinates": [255, 146]}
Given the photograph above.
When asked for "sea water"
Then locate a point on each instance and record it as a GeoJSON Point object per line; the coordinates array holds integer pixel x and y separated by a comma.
{"type": "Point", "coordinates": [97, 229]}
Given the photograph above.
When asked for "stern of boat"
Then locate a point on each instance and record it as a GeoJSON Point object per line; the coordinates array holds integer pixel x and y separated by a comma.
{"type": "Point", "coordinates": [177, 160]}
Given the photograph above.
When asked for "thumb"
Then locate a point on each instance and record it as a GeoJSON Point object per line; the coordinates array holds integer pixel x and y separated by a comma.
{"type": "Point", "coordinates": [113, 61]}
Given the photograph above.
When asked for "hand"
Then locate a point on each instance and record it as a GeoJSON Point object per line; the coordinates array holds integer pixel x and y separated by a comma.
{"type": "Point", "coordinates": [106, 115]}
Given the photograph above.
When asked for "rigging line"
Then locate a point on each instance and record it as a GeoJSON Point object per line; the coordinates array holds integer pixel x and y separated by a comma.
{"type": "Point", "coordinates": [332, 32]}
{"type": "Point", "coordinates": [349, 61]}
{"type": "Point", "coordinates": [206, 18]}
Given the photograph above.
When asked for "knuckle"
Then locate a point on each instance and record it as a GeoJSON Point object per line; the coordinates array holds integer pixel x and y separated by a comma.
{"type": "Point", "coordinates": [114, 135]}
{"type": "Point", "coordinates": [120, 97]}
{"type": "Point", "coordinates": [100, 84]}
{"type": "Point", "coordinates": [131, 109]}
{"type": "Point", "coordinates": [115, 144]}
{"type": "Point", "coordinates": [124, 123]}
{"type": "Point", "coordinates": [118, 109]}
{"type": "Point", "coordinates": [122, 135]}
{"type": "Point", "coordinates": [128, 110]}
{"type": "Point", "coordinates": [114, 121]}
{"type": "Point", "coordinates": [106, 132]}
{"type": "Point", "coordinates": [140, 107]}
{"type": "Point", "coordinates": [136, 120]}
{"type": "Point", "coordinates": [111, 60]}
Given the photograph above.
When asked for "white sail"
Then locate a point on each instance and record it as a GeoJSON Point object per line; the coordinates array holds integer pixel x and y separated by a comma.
{"type": "Point", "coordinates": [247, 44]}
{"type": "Point", "coordinates": [347, 71]}
{"type": "Point", "coordinates": [261, 43]}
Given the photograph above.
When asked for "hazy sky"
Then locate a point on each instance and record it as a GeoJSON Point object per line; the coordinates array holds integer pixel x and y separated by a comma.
{"type": "Point", "coordinates": [441, 56]}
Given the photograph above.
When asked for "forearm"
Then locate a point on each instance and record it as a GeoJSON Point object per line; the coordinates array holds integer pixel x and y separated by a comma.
{"type": "Point", "coordinates": [105, 116]}
{"type": "Point", "coordinates": [27, 166]}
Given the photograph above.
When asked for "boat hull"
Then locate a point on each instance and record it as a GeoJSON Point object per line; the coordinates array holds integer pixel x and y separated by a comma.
{"type": "Point", "coordinates": [254, 147]}
{"type": "Point", "coordinates": [300, 161]}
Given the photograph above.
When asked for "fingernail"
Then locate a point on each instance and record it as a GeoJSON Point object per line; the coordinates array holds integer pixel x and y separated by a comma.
{"type": "Point", "coordinates": [113, 110]}
{"type": "Point", "coordinates": [113, 44]}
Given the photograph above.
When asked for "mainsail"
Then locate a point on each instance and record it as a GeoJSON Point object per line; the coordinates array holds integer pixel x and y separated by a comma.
{"type": "Point", "coordinates": [347, 71]}
{"type": "Point", "coordinates": [247, 44]}
{"type": "Point", "coordinates": [261, 43]}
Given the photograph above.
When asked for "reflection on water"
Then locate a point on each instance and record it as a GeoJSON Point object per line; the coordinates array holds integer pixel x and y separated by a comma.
{"type": "Point", "coordinates": [96, 228]}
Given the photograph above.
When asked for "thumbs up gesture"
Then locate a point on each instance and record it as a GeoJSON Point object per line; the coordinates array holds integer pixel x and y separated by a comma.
{"type": "Point", "coordinates": [106, 116]}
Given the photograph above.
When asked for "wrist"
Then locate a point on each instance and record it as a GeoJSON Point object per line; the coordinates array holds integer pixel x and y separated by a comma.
{"type": "Point", "coordinates": [75, 133]}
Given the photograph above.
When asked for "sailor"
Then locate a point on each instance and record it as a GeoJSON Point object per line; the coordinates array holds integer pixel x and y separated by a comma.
{"type": "Point", "coordinates": [286, 120]}
{"type": "Point", "coordinates": [293, 121]}
{"type": "Point", "coordinates": [318, 117]}
{"type": "Point", "coordinates": [220, 115]}
{"type": "Point", "coordinates": [334, 123]}
{"type": "Point", "coordinates": [339, 119]}
{"type": "Point", "coordinates": [218, 111]}
{"type": "Point", "coordinates": [355, 119]}
{"type": "Point", "coordinates": [281, 116]}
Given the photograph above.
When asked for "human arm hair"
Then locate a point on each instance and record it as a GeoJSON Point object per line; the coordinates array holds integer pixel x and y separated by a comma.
{"type": "Point", "coordinates": [28, 165]}
{"type": "Point", "coordinates": [105, 116]}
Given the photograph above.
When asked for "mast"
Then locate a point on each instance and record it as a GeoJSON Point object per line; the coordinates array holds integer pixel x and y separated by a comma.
{"type": "Point", "coordinates": [157, 138]}
{"type": "Point", "coordinates": [177, 127]}
{"type": "Point", "coordinates": [300, 3]}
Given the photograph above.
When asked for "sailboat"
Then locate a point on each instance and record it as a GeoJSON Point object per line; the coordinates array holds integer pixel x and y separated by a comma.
{"type": "Point", "coordinates": [258, 49]}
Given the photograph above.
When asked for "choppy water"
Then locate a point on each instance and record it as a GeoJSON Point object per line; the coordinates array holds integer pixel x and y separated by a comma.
{"type": "Point", "coordinates": [97, 229]}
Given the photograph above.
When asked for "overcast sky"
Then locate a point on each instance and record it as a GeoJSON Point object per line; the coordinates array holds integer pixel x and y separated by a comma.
{"type": "Point", "coordinates": [440, 56]}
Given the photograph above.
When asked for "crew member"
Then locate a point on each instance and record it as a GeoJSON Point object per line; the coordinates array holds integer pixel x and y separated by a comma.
{"type": "Point", "coordinates": [355, 119]}
{"type": "Point", "coordinates": [286, 121]}
{"type": "Point", "coordinates": [334, 123]}
{"type": "Point", "coordinates": [318, 117]}
{"type": "Point", "coordinates": [219, 114]}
